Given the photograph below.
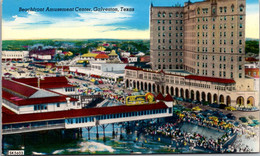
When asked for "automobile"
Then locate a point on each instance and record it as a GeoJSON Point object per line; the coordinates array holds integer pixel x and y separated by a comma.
{"type": "Point", "coordinates": [178, 98]}
{"type": "Point", "coordinates": [195, 102]}
{"type": "Point", "coordinates": [207, 112]}
{"type": "Point", "coordinates": [188, 100]}
{"type": "Point", "coordinates": [231, 116]}
{"type": "Point", "coordinates": [222, 106]}
{"type": "Point", "coordinates": [230, 108]}
{"type": "Point", "coordinates": [214, 105]}
{"type": "Point", "coordinates": [205, 103]}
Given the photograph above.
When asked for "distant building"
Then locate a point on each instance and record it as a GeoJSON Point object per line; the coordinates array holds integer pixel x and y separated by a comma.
{"type": "Point", "coordinates": [132, 58]}
{"type": "Point", "coordinates": [14, 55]}
{"type": "Point", "coordinates": [42, 54]}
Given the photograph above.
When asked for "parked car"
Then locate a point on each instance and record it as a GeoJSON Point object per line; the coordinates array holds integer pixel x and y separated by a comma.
{"type": "Point", "coordinates": [188, 100]}
{"type": "Point", "coordinates": [196, 102]}
{"type": "Point", "coordinates": [214, 105]}
{"type": "Point", "coordinates": [230, 108]}
{"type": "Point", "coordinates": [231, 116]}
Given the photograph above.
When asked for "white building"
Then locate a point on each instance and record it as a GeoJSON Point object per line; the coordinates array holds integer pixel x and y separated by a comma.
{"type": "Point", "coordinates": [14, 55]}
{"type": "Point", "coordinates": [22, 98]}
{"type": "Point", "coordinates": [132, 58]}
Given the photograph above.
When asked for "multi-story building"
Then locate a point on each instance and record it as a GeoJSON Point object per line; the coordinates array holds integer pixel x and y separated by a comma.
{"type": "Point", "coordinates": [204, 38]}
{"type": "Point", "coordinates": [166, 32]}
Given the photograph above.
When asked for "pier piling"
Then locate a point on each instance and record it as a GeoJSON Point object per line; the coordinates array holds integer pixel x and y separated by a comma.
{"type": "Point", "coordinates": [97, 135]}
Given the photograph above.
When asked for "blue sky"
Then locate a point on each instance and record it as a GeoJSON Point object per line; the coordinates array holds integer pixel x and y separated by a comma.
{"type": "Point", "coordinates": [124, 25]}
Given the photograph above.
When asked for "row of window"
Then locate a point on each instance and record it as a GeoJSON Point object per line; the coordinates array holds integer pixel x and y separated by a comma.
{"type": "Point", "coordinates": [170, 34]}
{"type": "Point", "coordinates": [170, 47]}
{"type": "Point", "coordinates": [40, 107]}
{"type": "Point", "coordinates": [70, 89]}
{"type": "Point", "coordinates": [170, 60]}
{"type": "Point", "coordinates": [170, 28]}
{"type": "Point", "coordinates": [221, 9]}
{"type": "Point", "coordinates": [170, 21]}
{"type": "Point", "coordinates": [220, 34]}
{"type": "Point", "coordinates": [170, 41]}
{"type": "Point", "coordinates": [119, 115]}
{"type": "Point", "coordinates": [221, 18]}
{"type": "Point", "coordinates": [205, 26]}
{"type": "Point", "coordinates": [220, 42]}
{"type": "Point", "coordinates": [205, 49]}
{"type": "Point", "coordinates": [170, 53]}
{"type": "Point", "coordinates": [80, 120]}
{"type": "Point", "coordinates": [159, 14]}
{"type": "Point", "coordinates": [163, 66]}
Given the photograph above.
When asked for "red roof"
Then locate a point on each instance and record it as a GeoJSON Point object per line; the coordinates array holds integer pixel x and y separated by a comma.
{"type": "Point", "coordinates": [102, 56]}
{"type": "Point", "coordinates": [159, 97]}
{"type": "Point", "coordinates": [133, 68]}
{"type": "Point", "coordinates": [124, 60]}
{"type": "Point", "coordinates": [18, 88]}
{"type": "Point", "coordinates": [11, 118]}
{"type": "Point", "coordinates": [32, 101]}
{"type": "Point", "coordinates": [47, 83]}
{"type": "Point", "coordinates": [168, 98]}
{"type": "Point", "coordinates": [136, 68]}
{"type": "Point", "coordinates": [145, 59]}
{"type": "Point", "coordinates": [132, 55]}
{"type": "Point", "coordinates": [251, 59]}
{"type": "Point", "coordinates": [210, 79]}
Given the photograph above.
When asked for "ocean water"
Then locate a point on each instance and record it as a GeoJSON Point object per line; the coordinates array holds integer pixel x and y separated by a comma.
{"type": "Point", "coordinates": [130, 144]}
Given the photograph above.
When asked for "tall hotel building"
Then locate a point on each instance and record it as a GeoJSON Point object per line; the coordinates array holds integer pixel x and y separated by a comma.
{"type": "Point", "coordinates": [204, 38]}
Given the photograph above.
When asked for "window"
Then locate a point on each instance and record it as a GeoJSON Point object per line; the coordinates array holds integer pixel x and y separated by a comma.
{"type": "Point", "coordinates": [158, 21]}
{"type": "Point", "coordinates": [159, 60]}
{"type": "Point", "coordinates": [231, 59]}
{"type": "Point", "coordinates": [159, 14]}
{"type": "Point", "coordinates": [220, 74]}
{"type": "Point", "coordinates": [231, 67]}
{"type": "Point", "coordinates": [213, 26]}
{"type": "Point", "coordinates": [170, 21]}
{"type": "Point", "coordinates": [231, 50]}
{"type": "Point", "coordinates": [232, 8]}
{"type": "Point", "coordinates": [241, 8]}
{"type": "Point", "coordinates": [232, 34]}
{"type": "Point", "coordinates": [232, 18]}
{"type": "Point", "coordinates": [241, 17]}
{"type": "Point", "coordinates": [240, 25]}
{"type": "Point", "coordinates": [240, 42]}
{"type": "Point", "coordinates": [220, 66]}
{"type": "Point", "coordinates": [198, 11]}
{"type": "Point", "coordinates": [240, 34]}
{"type": "Point", "coordinates": [177, 14]}
{"type": "Point", "coordinates": [170, 28]}
{"type": "Point", "coordinates": [58, 104]}
{"type": "Point", "coordinates": [170, 14]}
{"type": "Point", "coordinates": [213, 65]}
{"type": "Point", "coordinates": [163, 14]}
{"type": "Point", "coordinates": [240, 67]}
{"type": "Point", "coordinates": [159, 40]}
{"type": "Point", "coordinates": [220, 9]}
{"type": "Point", "coordinates": [240, 75]}
{"type": "Point", "coordinates": [170, 41]}
{"type": "Point", "coordinates": [224, 66]}
{"type": "Point", "coordinates": [231, 42]}
{"type": "Point", "coordinates": [240, 50]}
{"type": "Point", "coordinates": [163, 21]}
{"type": "Point", "coordinates": [225, 9]}
{"type": "Point", "coordinates": [159, 34]}
{"type": "Point", "coordinates": [159, 28]}
{"type": "Point", "coordinates": [231, 74]}
{"type": "Point", "coordinates": [213, 73]}
{"type": "Point", "coordinates": [239, 58]}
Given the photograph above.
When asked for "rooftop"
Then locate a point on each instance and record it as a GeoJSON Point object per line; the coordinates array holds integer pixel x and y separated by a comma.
{"type": "Point", "coordinates": [9, 117]}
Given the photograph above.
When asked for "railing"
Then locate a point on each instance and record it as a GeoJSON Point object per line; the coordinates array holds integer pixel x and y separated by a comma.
{"type": "Point", "coordinates": [33, 128]}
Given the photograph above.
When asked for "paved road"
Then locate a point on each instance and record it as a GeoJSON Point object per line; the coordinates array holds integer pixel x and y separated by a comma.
{"type": "Point", "coordinates": [238, 114]}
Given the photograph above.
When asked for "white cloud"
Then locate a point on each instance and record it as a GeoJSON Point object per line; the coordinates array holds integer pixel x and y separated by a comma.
{"type": "Point", "coordinates": [85, 25]}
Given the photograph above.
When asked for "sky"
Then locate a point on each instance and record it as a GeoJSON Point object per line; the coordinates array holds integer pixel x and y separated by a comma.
{"type": "Point", "coordinates": [75, 24]}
